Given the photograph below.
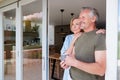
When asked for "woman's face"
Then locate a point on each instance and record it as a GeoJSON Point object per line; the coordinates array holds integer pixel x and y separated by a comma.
{"type": "Point", "coordinates": [75, 28]}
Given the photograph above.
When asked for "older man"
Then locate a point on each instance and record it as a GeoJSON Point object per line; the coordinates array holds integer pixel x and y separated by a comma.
{"type": "Point", "coordinates": [89, 60]}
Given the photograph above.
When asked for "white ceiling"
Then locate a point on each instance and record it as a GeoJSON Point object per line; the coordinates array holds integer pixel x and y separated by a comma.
{"type": "Point", "coordinates": [70, 6]}
{"type": "Point", "coordinates": [73, 6]}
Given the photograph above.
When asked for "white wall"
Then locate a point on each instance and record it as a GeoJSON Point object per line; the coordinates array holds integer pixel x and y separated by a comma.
{"type": "Point", "coordinates": [51, 34]}
{"type": "Point", "coordinates": [40, 33]}
{"type": "Point", "coordinates": [9, 23]}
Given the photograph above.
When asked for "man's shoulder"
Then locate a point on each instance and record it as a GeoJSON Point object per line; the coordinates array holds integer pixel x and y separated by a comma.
{"type": "Point", "coordinates": [98, 36]}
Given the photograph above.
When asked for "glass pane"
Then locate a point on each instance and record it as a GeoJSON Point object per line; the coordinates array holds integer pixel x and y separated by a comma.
{"type": "Point", "coordinates": [9, 44]}
{"type": "Point", "coordinates": [32, 39]}
{"type": "Point", "coordinates": [119, 43]}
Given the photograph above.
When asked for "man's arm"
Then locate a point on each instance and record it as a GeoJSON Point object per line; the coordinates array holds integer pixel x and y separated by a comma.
{"type": "Point", "coordinates": [97, 68]}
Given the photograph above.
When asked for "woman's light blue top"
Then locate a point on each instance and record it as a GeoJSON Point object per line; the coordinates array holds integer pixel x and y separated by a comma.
{"type": "Point", "coordinates": [66, 44]}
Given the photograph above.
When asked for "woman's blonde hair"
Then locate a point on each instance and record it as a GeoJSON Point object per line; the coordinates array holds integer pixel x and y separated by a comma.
{"type": "Point", "coordinates": [71, 22]}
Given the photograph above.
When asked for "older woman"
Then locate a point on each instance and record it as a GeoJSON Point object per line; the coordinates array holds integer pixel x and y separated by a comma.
{"type": "Point", "coordinates": [69, 43]}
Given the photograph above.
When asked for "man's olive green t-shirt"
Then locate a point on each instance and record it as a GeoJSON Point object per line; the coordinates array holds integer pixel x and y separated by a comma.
{"type": "Point", "coordinates": [85, 48]}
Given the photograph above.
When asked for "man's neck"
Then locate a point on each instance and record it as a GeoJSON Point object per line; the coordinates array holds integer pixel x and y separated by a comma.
{"type": "Point", "coordinates": [91, 28]}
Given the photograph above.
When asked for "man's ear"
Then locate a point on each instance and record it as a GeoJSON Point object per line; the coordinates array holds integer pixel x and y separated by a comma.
{"type": "Point", "coordinates": [93, 19]}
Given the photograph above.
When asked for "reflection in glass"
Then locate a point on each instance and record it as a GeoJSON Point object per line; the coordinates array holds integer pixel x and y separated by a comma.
{"type": "Point", "coordinates": [32, 48]}
{"type": "Point", "coordinates": [9, 44]}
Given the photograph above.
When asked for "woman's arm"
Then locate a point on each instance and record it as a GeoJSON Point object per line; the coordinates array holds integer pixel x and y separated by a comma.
{"type": "Point", "coordinates": [70, 49]}
{"type": "Point", "coordinates": [66, 44]}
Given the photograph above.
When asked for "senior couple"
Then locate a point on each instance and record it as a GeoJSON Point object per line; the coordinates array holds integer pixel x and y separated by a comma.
{"type": "Point", "coordinates": [85, 50]}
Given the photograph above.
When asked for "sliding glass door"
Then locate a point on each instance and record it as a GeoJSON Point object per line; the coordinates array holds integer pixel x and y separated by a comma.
{"type": "Point", "coordinates": [9, 18]}
{"type": "Point", "coordinates": [23, 48]}
{"type": "Point", "coordinates": [8, 42]}
{"type": "Point", "coordinates": [32, 40]}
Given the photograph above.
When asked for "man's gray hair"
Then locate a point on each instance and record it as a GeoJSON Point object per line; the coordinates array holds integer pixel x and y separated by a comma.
{"type": "Point", "coordinates": [93, 12]}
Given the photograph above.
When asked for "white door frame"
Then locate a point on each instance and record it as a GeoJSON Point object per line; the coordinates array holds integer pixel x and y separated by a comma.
{"type": "Point", "coordinates": [19, 44]}
{"type": "Point", "coordinates": [1, 48]}
{"type": "Point", "coordinates": [18, 41]}
{"type": "Point", "coordinates": [45, 47]}
{"type": "Point", "coordinates": [111, 38]}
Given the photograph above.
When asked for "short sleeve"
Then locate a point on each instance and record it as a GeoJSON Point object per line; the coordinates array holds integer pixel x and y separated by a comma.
{"type": "Point", "coordinates": [100, 42]}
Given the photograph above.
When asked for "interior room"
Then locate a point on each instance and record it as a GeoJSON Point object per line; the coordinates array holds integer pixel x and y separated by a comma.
{"type": "Point", "coordinates": [60, 15]}
{"type": "Point", "coordinates": [58, 19]}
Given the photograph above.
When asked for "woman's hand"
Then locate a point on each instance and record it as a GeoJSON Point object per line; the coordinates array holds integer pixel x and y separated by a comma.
{"type": "Point", "coordinates": [69, 60]}
{"type": "Point", "coordinates": [63, 65]}
{"type": "Point", "coordinates": [103, 31]}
